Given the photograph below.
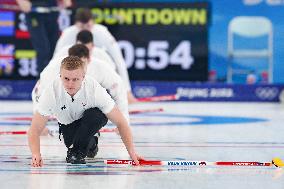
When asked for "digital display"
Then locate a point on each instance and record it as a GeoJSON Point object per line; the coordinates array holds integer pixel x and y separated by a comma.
{"type": "Point", "coordinates": [158, 41]}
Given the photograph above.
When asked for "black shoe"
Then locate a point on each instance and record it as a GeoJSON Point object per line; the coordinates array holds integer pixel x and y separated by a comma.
{"type": "Point", "coordinates": [93, 147]}
{"type": "Point", "coordinates": [78, 158]}
{"type": "Point", "coordinates": [70, 153]}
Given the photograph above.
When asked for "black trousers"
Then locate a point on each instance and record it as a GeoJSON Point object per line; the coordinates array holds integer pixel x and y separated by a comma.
{"type": "Point", "coordinates": [80, 132]}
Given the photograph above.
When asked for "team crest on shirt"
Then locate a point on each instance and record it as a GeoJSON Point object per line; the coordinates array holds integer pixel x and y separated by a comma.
{"type": "Point", "coordinates": [63, 107]}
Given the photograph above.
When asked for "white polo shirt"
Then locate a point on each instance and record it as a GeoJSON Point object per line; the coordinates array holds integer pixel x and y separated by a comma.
{"type": "Point", "coordinates": [102, 39]}
{"type": "Point", "coordinates": [55, 101]}
{"type": "Point", "coordinates": [98, 70]}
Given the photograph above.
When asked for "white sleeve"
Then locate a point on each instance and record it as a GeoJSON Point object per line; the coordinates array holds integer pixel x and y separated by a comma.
{"type": "Point", "coordinates": [114, 51]}
{"type": "Point", "coordinates": [67, 38]}
{"type": "Point", "coordinates": [35, 95]}
{"type": "Point", "coordinates": [111, 81]}
{"type": "Point", "coordinates": [101, 54]}
{"type": "Point", "coordinates": [46, 103]}
{"type": "Point", "coordinates": [48, 75]}
{"type": "Point", "coordinates": [60, 54]}
{"type": "Point", "coordinates": [102, 99]}
{"type": "Point", "coordinates": [55, 62]}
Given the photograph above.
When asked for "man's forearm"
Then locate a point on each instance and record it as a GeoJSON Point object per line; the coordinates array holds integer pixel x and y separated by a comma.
{"type": "Point", "coordinates": [116, 117]}
{"type": "Point", "coordinates": [34, 141]}
{"type": "Point", "coordinates": [126, 137]}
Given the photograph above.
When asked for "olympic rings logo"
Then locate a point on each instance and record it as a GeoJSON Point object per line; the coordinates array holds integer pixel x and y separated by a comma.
{"type": "Point", "coordinates": [145, 91]}
{"type": "Point", "coordinates": [5, 90]}
{"type": "Point", "coordinates": [266, 93]}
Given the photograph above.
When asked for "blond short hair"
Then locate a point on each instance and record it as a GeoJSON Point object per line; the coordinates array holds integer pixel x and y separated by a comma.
{"type": "Point", "coordinates": [72, 63]}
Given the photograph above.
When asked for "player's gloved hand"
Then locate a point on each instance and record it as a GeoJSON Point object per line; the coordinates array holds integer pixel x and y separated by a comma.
{"type": "Point", "coordinates": [36, 160]}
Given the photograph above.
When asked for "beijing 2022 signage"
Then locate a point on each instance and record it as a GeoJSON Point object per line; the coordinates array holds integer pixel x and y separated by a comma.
{"type": "Point", "coordinates": [165, 41]}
